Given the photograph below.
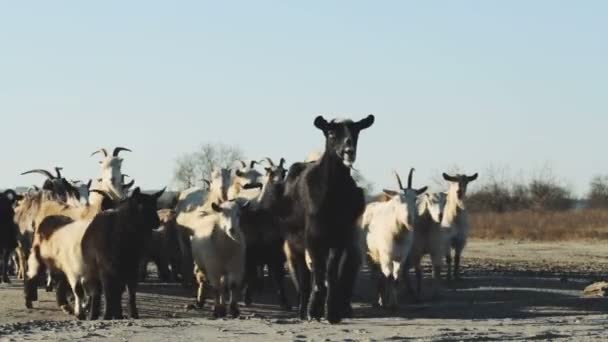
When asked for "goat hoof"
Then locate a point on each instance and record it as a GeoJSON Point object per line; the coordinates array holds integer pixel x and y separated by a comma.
{"type": "Point", "coordinates": [49, 289]}
{"type": "Point", "coordinates": [28, 304]}
{"type": "Point", "coordinates": [219, 311]}
{"type": "Point", "coordinates": [81, 316]}
{"type": "Point", "coordinates": [6, 279]}
{"type": "Point", "coordinates": [67, 309]}
{"type": "Point", "coordinates": [234, 311]}
{"type": "Point", "coordinates": [134, 315]}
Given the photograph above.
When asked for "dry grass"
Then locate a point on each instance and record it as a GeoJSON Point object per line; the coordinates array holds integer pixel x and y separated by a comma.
{"type": "Point", "coordinates": [588, 224]}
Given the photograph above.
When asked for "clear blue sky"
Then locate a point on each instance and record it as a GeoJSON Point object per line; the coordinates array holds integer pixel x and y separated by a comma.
{"type": "Point", "coordinates": [468, 83]}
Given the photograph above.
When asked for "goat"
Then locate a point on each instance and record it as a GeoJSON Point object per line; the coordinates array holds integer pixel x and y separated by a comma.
{"type": "Point", "coordinates": [190, 203]}
{"type": "Point", "coordinates": [241, 183]}
{"type": "Point", "coordinates": [429, 238]}
{"type": "Point", "coordinates": [389, 230]}
{"type": "Point", "coordinates": [111, 180]}
{"type": "Point", "coordinates": [457, 218]}
{"type": "Point", "coordinates": [112, 247]}
{"type": "Point", "coordinates": [322, 204]}
{"type": "Point", "coordinates": [163, 248]}
{"type": "Point", "coordinates": [218, 247]}
{"type": "Point", "coordinates": [264, 238]}
{"type": "Point", "coordinates": [8, 230]}
{"type": "Point", "coordinates": [56, 184]}
{"type": "Point", "coordinates": [49, 216]}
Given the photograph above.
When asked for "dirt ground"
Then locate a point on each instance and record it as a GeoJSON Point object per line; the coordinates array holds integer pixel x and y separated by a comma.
{"type": "Point", "coordinates": [510, 291]}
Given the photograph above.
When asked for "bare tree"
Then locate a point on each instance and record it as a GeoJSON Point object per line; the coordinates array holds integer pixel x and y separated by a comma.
{"type": "Point", "coordinates": [192, 168]}
{"type": "Point", "coordinates": [598, 192]}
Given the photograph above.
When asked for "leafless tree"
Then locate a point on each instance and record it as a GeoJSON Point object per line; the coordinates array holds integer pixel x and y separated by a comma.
{"type": "Point", "coordinates": [192, 168]}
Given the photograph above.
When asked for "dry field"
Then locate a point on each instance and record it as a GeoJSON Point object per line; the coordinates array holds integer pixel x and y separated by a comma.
{"type": "Point", "coordinates": [511, 291]}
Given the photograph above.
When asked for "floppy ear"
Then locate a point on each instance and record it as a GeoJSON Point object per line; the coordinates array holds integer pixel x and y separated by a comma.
{"type": "Point", "coordinates": [321, 123]}
{"type": "Point", "coordinates": [366, 123]}
{"type": "Point", "coordinates": [390, 192]}
{"type": "Point", "coordinates": [449, 178]}
{"type": "Point", "coordinates": [421, 190]}
{"type": "Point", "coordinates": [472, 178]}
{"type": "Point", "coordinates": [216, 207]}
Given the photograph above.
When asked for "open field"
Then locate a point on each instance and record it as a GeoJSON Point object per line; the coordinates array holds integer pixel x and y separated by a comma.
{"type": "Point", "coordinates": [518, 291]}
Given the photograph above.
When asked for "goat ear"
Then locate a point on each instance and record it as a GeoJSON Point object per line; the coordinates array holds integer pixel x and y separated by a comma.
{"type": "Point", "coordinates": [449, 178]}
{"type": "Point", "coordinates": [321, 123]}
{"type": "Point", "coordinates": [472, 178]}
{"type": "Point", "coordinates": [216, 207]}
{"type": "Point", "coordinates": [136, 192]}
{"type": "Point", "coordinates": [390, 192]}
{"type": "Point", "coordinates": [160, 193]}
{"type": "Point", "coordinates": [250, 186]}
{"type": "Point", "coordinates": [366, 123]}
{"type": "Point", "coordinates": [421, 190]}
{"type": "Point", "coordinates": [239, 173]}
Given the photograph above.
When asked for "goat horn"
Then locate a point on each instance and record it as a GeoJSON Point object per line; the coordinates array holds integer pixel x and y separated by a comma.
{"type": "Point", "coordinates": [252, 164]}
{"type": "Point", "coordinates": [282, 162]}
{"type": "Point", "coordinates": [102, 150]}
{"type": "Point", "coordinates": [269, 161]}
{"type": "Point", "coordinates": [128, 185]}
{"type": "Point", "coordinates": [398, 180]}
{"type": "Point", "coordinates": [243, 163]}
{"type": "Point", "coordinates": [409, 178]}
{"type": "Point", "coordinates": [102, 193]}
{"type": "Point", "coordinates": [40, 171]}
{"type": "Point", "coordinates": [58, 170]}
{"type": "Point", "coordinates": [206, 181]}
{"type": "Point", "coordinates": [118, 149]}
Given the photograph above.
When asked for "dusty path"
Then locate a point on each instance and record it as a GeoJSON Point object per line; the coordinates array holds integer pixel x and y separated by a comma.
{"type": "Point", "coordinates": [502, 298]}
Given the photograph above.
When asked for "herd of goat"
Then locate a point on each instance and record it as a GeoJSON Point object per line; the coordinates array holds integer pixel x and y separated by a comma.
{"type": "Point", "coordinates": [97, 238]}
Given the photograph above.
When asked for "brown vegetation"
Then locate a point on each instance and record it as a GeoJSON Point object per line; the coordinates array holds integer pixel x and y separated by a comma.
{"type": "Point", "coordinates": [585, 224]}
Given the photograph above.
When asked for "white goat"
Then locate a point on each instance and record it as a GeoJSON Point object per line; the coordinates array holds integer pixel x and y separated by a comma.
{"type": "Point", "coordinates": [243, 178]}
{"type": "Point", "coordinates": [57, 245]}
{"type": "Point", "coordinates": [456, 218]}
{"type": "Point", "coordinates": [389, 230]}
{"type": "Point", "coordinates": [218, 249]}
{"type": "Point", "coordinates": [429, 238]}
{"type": "Point", "coordinates": [111, 179]}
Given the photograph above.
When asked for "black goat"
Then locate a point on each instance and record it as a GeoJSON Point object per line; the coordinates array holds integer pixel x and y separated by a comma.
{"type": "Point", "coordinates": [112, 247]}
{"type": "Point", "coordinates": [8, 230]}
{"type": "Point", "coordinates": [322, 203]}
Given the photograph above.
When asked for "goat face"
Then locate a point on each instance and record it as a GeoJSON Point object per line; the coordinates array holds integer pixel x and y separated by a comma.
{"type": "Point", "coordinates": [146, 208]}
{"type": "Point", "coordinates": [229, 216]}
{"type": "Point", "coordinates": [435, 204]}
{"type": "Point", "coordinates": [460, 183]}
{"type": "Point", "coordinates": [342, 136]}
{"type": "Point", "coordinates": [220, 182]}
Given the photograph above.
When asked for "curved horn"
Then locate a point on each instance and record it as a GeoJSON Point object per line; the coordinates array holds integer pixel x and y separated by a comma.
{"type": "Point", "coordinates": [122, 177]}
{"type": "Point", "coordinates": [282, 162]}
{"type": "Point", "coordinates": [36, 188]}
{"type": "Point", "coordinates": [206, 181]}
{"type": "Point", "coordinates": [40, 171]}
{"type": "Point", "coordinates": [102, 150]}
{"type": "Point", "coordinates": [128, 185]}
{"type": "Point", "coordinates": [269, 161]}
{"type": "Point", "coordinates": [398, 180]}
{"type": "Point", "coordinates": [242, 163]}
{"type": "Point", "coordinates": [410, 178]}
{"type": "Point", "coordinates": [252, 164]}
{"type": "Point", "coordinates": [58, 171]}
{"type": "Point", "coordinates": [118, 149]}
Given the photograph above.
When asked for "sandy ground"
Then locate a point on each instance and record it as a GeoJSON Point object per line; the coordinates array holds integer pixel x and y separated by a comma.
{"type": "Point", "coordinates": [522, 291]}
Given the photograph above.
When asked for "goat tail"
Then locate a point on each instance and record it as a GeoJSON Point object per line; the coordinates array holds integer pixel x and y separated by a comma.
{"type": "Point", "coordinates": [34, 263]}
